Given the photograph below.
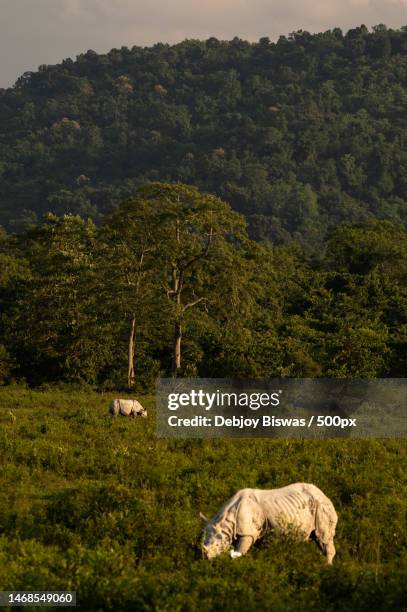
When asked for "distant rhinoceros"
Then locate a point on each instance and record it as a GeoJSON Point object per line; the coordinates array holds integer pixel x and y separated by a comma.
{"type": "Point", "coordinates": [300, 507]}
{"type": "Point", "coordinates": [127, 407]}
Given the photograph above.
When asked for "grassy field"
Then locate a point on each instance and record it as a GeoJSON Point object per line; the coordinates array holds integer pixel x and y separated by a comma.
{"type": "Point", "coordinates": [101, 506]}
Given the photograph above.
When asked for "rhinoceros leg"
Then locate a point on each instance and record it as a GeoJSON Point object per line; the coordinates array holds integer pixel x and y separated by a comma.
{"type": "Point", "coordinates": [325, 524]}
{"type": "Point", "coordinates": [329, 552]}
{"type": "Point", "coordinates": [243, 544]}
{"type": "Point", "coordinates": [328, 549]}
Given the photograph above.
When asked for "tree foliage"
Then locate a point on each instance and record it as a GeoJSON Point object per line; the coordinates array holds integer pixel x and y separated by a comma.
{"type": "Point", "coordinates": [297, 135]}
{"type": "Point", "coordinates": [170, 282]}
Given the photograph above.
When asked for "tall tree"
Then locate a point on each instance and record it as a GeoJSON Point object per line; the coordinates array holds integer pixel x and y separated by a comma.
{"type": "Point", "coordinates": [53, 323]}
{"type": "Point", "coordinates": [127, 253]}
{"type": "Point", "coordinates": [170, 253]}
{"type": "Point", "coordinates": [199, 237]}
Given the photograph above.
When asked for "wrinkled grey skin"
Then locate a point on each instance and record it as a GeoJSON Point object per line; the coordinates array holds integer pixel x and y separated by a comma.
{"type": "Point", "coordinates": [126, 407]}
{"type": "Point", "coordinates": [298, 508]}
{"type": "Point", "coordinates": [215, 541]}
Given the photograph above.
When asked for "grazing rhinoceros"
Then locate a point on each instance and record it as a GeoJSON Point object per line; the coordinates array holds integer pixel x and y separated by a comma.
{"type": "Point", "coordinates": [127, 407]}
{"type": "Point", "coordinates": [299, 507]}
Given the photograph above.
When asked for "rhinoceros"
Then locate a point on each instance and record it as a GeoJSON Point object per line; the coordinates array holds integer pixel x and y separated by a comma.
{"type": "Point", "coordinates": [127, 407]}
{"type": "Point", "coordinates": [299, 507]}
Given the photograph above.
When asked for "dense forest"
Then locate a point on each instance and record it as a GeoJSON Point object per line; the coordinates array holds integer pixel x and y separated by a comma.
{"type": "Point", "coordinates": [297, 135]}
{"type": "Point", "coordinates": [170, 282]}
{"type": "Point", "coordinates": [116, 263]}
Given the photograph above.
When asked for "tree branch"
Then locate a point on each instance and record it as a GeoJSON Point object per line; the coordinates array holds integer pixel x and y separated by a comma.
{"type": "Point", "coordinates": [191, 304]}
{"type": "Point", "coordinates": [204, 252]}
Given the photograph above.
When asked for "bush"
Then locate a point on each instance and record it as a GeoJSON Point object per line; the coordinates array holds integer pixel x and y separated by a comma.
{"type": "Point", "coordinates": [5, 365]}
{"type": "Point", "coordinates": [102, 506]}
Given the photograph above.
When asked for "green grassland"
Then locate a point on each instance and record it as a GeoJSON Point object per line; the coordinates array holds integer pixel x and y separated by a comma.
{"type": "Point", "coordinates": [100, 505]}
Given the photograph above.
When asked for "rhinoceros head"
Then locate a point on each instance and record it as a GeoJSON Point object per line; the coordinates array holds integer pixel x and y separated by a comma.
{"type": "Point", "coordinates": [215, 540]}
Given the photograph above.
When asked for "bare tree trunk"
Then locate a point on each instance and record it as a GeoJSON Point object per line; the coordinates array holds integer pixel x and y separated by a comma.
{"type": "Point", "coordinates": [131, 376]}
{"type": "Point", "coordinates": [177, 347]}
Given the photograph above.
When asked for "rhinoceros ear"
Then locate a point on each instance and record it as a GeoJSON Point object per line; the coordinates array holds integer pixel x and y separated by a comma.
{"type": "Point", "coordinates": [203, 517]}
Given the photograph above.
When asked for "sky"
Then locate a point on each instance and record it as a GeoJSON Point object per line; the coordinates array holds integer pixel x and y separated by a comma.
{"type": "Point", "coordinates": [35, 32]}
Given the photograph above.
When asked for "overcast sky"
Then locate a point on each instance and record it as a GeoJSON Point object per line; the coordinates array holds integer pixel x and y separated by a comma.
{"type": "Point", "coordinates": [34, 32]}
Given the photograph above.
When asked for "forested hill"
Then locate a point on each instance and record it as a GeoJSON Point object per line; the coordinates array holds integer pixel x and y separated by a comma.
{"type": "Point", "coordinates": [297, 135]}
